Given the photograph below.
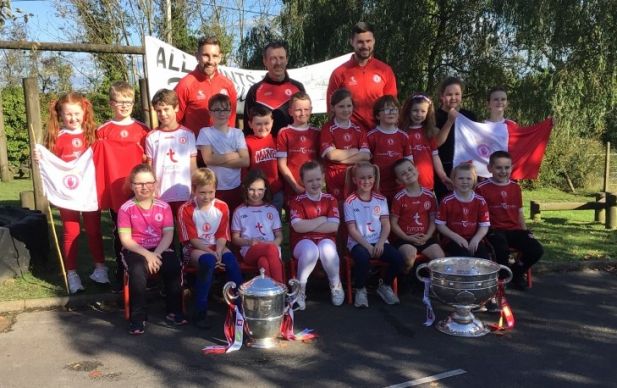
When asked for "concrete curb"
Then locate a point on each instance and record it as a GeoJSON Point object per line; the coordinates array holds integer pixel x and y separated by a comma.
{"type": "Point", "coordinates": [13, 306]}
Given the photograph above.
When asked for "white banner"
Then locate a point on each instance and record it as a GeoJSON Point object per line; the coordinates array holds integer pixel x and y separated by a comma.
{"type": "Point", "coordinates": [166, 65]}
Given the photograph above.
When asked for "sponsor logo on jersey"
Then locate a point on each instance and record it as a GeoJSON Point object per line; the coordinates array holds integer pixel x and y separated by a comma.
{"type": "Point", "coordinates": [223, 91]}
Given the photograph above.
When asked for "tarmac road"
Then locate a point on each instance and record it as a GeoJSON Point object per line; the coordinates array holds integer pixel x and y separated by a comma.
{"type": "Point", "coordinates": [565, 335]}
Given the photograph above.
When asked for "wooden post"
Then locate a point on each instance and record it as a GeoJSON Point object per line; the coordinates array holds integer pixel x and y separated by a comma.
{"type": "Point", "coordinates": [600, 212]}
{"type": "Point", "coordinates": [26, 198]}
{"type": "Point", "coordinates": [145, 102]}
{"type": "Point", "coordinates": [611, 211]}
{"type": "Point", "coordinates": [607, 167]}
{"type": "Point", "coordinates": [33, 121]}
{"type": "Point", "coordinates": [5, 172]}
{"type": "Point", "coordinates": [534, 211]}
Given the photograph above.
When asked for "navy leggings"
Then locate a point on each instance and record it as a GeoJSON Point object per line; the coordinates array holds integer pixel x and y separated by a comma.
{"type": "Point", "coordinates": [203, 282]}
{"type": "Point", "coordinates": [361, 258]}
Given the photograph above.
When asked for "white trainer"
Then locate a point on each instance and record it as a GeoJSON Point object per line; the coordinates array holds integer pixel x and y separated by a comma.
{"type": "Point", "coordinates": [361, 299]}
{"type": "Point", "coordinates": [74, 282]}
{"type": "Point", "coordinates": [301, 301]}
{"type": "Point", "coordinates": [337, 295]}
{"type": "Point", "coordinates": [100, 275]}
{"type": "Point", "coordinates": [387, 294]}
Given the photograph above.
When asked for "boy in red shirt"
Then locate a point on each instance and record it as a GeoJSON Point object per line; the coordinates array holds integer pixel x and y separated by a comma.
{"type": "Point", "coordinates": [508, 228]}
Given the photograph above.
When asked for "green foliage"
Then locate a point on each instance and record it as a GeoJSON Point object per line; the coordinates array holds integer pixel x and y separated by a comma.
{"type": "Point", "coordinates": [13, 108]}
{"type": "Point", "coordinates": [252, 46]}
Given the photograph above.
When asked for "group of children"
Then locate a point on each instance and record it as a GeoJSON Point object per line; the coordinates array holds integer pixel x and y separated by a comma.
{"type": "Point", "coordinates": [381, 180]}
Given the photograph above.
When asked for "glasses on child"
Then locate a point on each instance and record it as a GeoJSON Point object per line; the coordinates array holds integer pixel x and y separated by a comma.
{"type": "Point", "coordinates": [220, 110]}
{"type": "Point", "coordinates": [389, 111]}
{"type": "Point", "coordinates": [122, 103]}
{"type": "Point", "coordinates": [144, 185]}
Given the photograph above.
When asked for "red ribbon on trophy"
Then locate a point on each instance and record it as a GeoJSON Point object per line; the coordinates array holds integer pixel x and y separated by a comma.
{"type": "Point", "coordinates": [506, 316]}
{"type": "Point", "coordinates": [287, 326]}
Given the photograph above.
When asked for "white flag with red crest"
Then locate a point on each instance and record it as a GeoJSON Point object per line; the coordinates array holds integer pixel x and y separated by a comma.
{"type": "Point", "coordinates": [69, 185]}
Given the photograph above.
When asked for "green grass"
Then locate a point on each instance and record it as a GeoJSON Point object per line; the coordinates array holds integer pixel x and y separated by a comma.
{"type": "Point", "coordinates": [566, 236]}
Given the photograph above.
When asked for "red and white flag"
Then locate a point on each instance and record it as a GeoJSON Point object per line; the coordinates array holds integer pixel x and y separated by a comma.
{"type": "Point", "coordinates": [475, 142]}
{"type": "Point", "coordinates": [69, 185]}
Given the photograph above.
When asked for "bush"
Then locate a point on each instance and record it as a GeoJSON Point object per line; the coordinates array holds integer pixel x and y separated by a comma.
{"type": "Point", "coordinates": [14, 110]}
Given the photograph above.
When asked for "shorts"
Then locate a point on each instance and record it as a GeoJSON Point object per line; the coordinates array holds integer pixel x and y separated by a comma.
{"type": "Point", "coordinates": [420, 248]}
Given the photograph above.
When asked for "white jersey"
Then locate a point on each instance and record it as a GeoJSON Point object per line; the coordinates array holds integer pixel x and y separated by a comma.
{"type": "Point", "coordinates": [222, 143]}
{"type": "Point", "coordinates": [255, 222]}
{"type": "Point", "coordinates": [367, 216]}
{"type": "Point", "coordinates": [171, 154]}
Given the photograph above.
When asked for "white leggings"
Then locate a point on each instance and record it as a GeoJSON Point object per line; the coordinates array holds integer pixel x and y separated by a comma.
{"type": "Point", "coordinates": [307, 253]}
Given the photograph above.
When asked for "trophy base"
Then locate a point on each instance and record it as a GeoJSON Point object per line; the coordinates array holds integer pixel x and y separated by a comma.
{"type": "Point", "coordinates": [471, 327]}
{"type": "Point", "coordinates": [263, 343]}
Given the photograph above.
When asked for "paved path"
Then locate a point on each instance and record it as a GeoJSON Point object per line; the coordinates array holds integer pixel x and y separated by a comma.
{"type": "Point", "coordinates": [566, 335]}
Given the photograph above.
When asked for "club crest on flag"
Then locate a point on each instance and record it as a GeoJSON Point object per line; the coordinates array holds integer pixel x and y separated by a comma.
{"type": "Point", "coordinates": [484, 150]}
{"type": "Point", "coordinates": [71, 181]}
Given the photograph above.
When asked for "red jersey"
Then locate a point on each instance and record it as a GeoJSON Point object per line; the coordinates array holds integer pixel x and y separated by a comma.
{"type": "Point", "coordinates": [366, 83]}
{"type": "Point", "coordinates": [194, 91]}
{"type": "Point", "coordinates": [504, 203]}
{"type": "Point", "coordinates": [303, 207]}
{"type": "Point", "coordinates": [206, 225]}
{"type": "Point", "coordinates": [414, 213]}
{"type": "Point", "coordinates": [298, 146]}
{"type": "Point", "coordinates": [463, 218]}
{"type": "Point", "coordinates": [386, 148]}
{"type": "Point", "coordinates": [70, 145]}
{"type": "Point", "coordinates": [423, 150]}
{"type": "Point", "coordinates": [262, 155]}
{"type": "Point", "coordinates": [130, 132]}
{"type": "Point", "coordinates": [333, 136]}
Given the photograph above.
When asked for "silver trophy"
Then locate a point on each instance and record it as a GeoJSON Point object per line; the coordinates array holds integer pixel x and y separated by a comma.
{"type": "Point", "coordinates": [263, 304]}
{"type": "Point", "coordinates": [464, 283]}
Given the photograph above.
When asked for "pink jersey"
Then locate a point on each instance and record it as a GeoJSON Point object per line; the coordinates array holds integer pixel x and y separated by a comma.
{"type": "Point", "coordinates": [171, 153]}
{"type": "Point", "coordinates": [386, 148]}
{"type": "Point", "coordinates": [303, 207]}
{"type": "Point", "coordinates": [334, 137]}
{"type": "Point", "coordinates": [415, 214]}
{"type": "Point", "coordinates": [70, 144]}
{"type": "Point", "coordinates": [423, 150]}
{"type": "Point", "coordinates": [145, 226]}
{"type": "Point", "coordinates": [255, 223]}
{"type": "Point", "coordinates": [367, 216]}
{"type": "Point", "coordinates": [207, 225]}
{"type": "Point", "coordinates": [504, 203]}
{"type": "Point", "coordinates": [262, 155]}
{"type": "Point", "coordinates": [298, 146]}
{"type": "Point", "coordinates": [463, 218]}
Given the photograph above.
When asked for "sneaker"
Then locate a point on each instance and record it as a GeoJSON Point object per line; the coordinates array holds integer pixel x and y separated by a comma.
{"type": "Point", "coordinates": [137, 328]}
{"type": "Point", "coordinates": [100, 275]}
{"type": "Point", "coordinates": [480, 309]}
{"type": "Point", "coordinates": [361, 300]}
{"type": "Point", "coordinates": [301, 301]}
{"type": "Point", "coordinates": [492, 306]}
{"type": "Point", "coordinates": [337, 295]}
{"type": "Point", "coordinates": [176, 319]}
{"type": "Point", "coordinates": [387, 294]}
{"type": "Point", "coordinates": [74, 282]}
{"type": "Point", "coordinates": [200, 319]}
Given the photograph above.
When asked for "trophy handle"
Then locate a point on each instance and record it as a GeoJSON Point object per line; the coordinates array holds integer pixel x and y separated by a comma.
{"type": "Point", "coordinates": [228, 295]}
{"type": "Point", "coordinates": [294, 284]}
{"type": "Point", "coordinates": [509, 271]}
{"type": "Point", "coordinates": [420, 268]}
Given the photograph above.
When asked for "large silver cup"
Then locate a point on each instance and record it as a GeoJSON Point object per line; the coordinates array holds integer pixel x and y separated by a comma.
{"type": "Point", "coordinates": [463, 283]}
{"type": "Point", "coordinates": [263, 304]}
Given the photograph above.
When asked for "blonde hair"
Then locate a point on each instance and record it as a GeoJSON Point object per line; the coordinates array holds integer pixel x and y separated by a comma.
{"type": "Point", "coordinates": [121, 88]}
{"type": "Point", "coordinates": [201, 177]}
{"type": "Point", "coordinates": [353, 170]}
{"type": "Point", "coordinates": [55, 116]}
{"type": "Point", "coordinates": [465, 166]}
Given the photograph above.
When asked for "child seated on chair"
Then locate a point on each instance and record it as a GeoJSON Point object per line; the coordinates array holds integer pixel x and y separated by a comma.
{"type": "Point", "coordinates": [256, 226]}
{"type": "Point", "coordinates": [508, 229]}
{"type": "Point", "coordinates": [146, 230]}
{"type": "Point", "coordinates": [368, 224]}
{"type": "Point", "coordinates": [463, 217]}
{"type": "Point", "coordinates": [413, 216]}
{"type": "Point", "coordinates": [204, 233]}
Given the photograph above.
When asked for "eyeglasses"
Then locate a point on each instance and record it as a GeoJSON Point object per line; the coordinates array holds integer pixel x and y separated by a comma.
{"type": "Point", "coordinates": [144, 185]}
{"type": "Point", "coordinates": [122, 103]}
{"type": "Point", "coordinates": [389, 111]}
{"type": "Point", "coordinates": [220, 110]}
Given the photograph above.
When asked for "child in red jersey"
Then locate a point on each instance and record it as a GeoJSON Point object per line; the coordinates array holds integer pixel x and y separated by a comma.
{"type": "Point", "coordinates": [170, 150]}
{"type": "Point", "coordinates": [146, 228]}
{"type": "Point", "coordinates": [463, 217]}
{"type": "Point", "coordinates": [413, 216]}
{"type": "Point", "coordinates": [124, 140]}
{"type": "Point", "coordinates": [262, 151]}
{"type": "Point", "coordinates": [418, 119]}
{"type": "Point", "coordinates": [70, 132]}
{"type": "Point", "coordinates": [388, 144]}
{"type": "Point", "coordinates": [223, 149]}
{"type": "Point", "coordinates": [314, 222]}
{"type": "Point", "coordinates": [508, 229]}
{"type": "Point", "coordinates": [368, 224]}
{"type": "Point", "coordinates": [256, 226]}
{"type": "Point", "coordinates": [204, 232]}
{"type": "Point", "coordinates": [343, 143]}
{"type": "Point", "coordinates": [296, 144]}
